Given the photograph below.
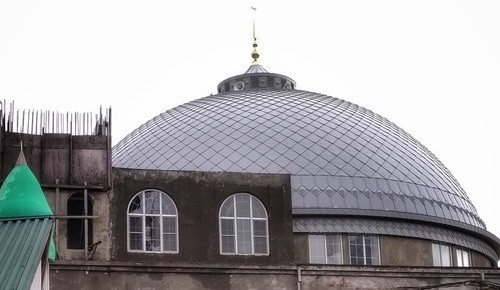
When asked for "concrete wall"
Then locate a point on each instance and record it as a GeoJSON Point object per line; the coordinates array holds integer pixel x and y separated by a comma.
{"type": "Point", "coordinates": [394, 251]}
{"type": "Point", "coordinates": [178, 276]}
{"type": "Point", "coordinates": [479, 260]}
{"type": "Point", "coordinates": [401, 251]}
{"type": "Point", "coordinates": [62, 158]}
{"type": "Point", "coordinates": [66, 164]}
{"type": "Point", "coordinates": [198, 197]}
{"type": "Point", "coordinates": [101, 225]}
{"type": "Point", "coordinates": [301, 248]}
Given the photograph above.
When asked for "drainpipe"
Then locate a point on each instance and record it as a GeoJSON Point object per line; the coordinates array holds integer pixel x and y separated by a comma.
{"type": "Point", "coordinates": [299, 277]}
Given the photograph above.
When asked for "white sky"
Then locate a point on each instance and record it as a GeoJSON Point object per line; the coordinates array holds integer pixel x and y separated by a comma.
{"type": "Point", "coordinates": [432, 67]}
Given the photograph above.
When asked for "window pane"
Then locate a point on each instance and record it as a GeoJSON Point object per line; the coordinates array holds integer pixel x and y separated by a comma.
{"type": "Point", "coordinates": [135, 224]}
{"type": "Point", "coordinates": [170, 242]}
{"type": "Point", "coordinates": [459, 258]}
{"type": "Point", "coordinates": [260, 245]}
{"type": "Point", "coordinates": [243, 226]}
{"type": "Point", "coordinates": [227, 209]}
{"type": "Point", "coordinates": [153, 222]}
{"type": "Point", "coordinates": [356, 250]}
{"type": "Point", "coordinates": [445, 256]}
{"type": "Point", "coordinates": [259, 228]}
{"type": "Point", "coordinates": [334, 249]}
{"type": "Point", "coordinates": [258, 210]}
{"type": "Point", "coordinates": [136, 204]}
{"type": "Point", "coordinates": [167, 205]}
{"type": "Point", "coordinates": [135, 232]}
{"type": "Point", "coordinates": [317, 249]}
{"type": "Point", "coordinates": [466, 258]}
{"type": "Point", "coordinates": [227, 227]}
{"type": "Point", "coordinates": [153, 233]}
{"type": "Point", "coordinates": [169, 225]}
{"type": "Point", "coordinates": [136, 241]}
{"type": "Point", "coordinates": [368, 251]}
{"type": "Point", "coordinates": [436, 255]}
{"type": "Point", "coordinates": [244, 236]}
{"type": "Point", "coordinates": [462, 258]}
{"type": "Point", "coordinates": [242, 205]}
{"type": "Point", "coordinates": [371, 245]}
{"type": "Point", "coordinates": [152, 202]}
{"type": "Point", "coordinates": [228, 244]}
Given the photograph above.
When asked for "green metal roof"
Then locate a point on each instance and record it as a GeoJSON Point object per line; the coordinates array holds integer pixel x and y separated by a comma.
{"type": "Point", "coordinates": [22, 197]}
{"type": "Point", "coordinates": [22, 243]}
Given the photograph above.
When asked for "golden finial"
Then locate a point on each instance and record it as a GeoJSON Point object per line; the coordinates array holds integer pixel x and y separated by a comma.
{"type": "Point", "coordinates": [255, 54]}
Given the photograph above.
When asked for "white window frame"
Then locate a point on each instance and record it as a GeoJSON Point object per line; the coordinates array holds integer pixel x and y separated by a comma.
{"type": "Point", "coordinates": [364, 249]}
{"type": "Point", "coordinates": [143, 216]}
{"type": "Point", "coordinates": [326, 249]}
{"type": "Point", "coordinates": [438, 251]}
{"type": "Point", "coordinates": [459, 255]}
{"type": "Point", "coordinates": [235, 218]}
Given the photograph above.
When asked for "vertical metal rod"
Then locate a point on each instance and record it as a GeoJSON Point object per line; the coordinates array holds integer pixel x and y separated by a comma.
{"type": "Point", "coordinates": [35, 120]}
{"type": "Point", "coordinates": [32, 121]}
{"type": "Point", "coordinates": [56, 231]}
{"type": "Point", "coordinates": [299, 278]}
{"type": "Point", "coordinates": [28, 123]}
{"type": "Point", "coordinates": [12, 117]}
{"type": "Point", "coordinates": [85, 221]}
{"type": "Point", "coordinates": [108, 148]}
{"type": "Point", "coordinates": [89, 122]}
{"type": "Point", "coordinates": [70, 173]}
{"type": "Point", "coordinates": [22, 123]}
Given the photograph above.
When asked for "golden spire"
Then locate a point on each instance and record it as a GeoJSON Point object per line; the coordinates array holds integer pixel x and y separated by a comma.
{"type": "Point", "coordinates": [255, 54]}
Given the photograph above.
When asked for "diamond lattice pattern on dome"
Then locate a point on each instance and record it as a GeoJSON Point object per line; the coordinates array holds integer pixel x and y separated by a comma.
{"type": "Point", "coordinates": [339, 155]}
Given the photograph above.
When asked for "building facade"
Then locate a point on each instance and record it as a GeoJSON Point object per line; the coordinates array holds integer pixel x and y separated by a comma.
{"type": "Point", "coordinates": [260, 186]}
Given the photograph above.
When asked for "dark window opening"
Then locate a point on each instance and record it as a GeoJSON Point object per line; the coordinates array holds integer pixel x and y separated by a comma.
{"type": "Point", "coordinates": [255, 82]}
{"type": "Point", "coordinates": [76, 227]}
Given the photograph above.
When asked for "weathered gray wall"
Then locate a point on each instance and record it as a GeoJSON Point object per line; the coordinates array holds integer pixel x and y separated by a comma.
{"type": "Point", "coordinates": [400, 251]}
{"type": "Point", "coordinates": [72, 160]}
{"type": "Point", "coordinates": [154, 276]}
{"type": "Point", "coordinates": [394, 251]}
{"type": "Point", "coordinates": [101, 224]}
{"type": "Point", "coordinates": [198, 197]}
{"type": "Point", "coordinates": [301, 248]}
{"type": "Point", "coordinates": [479, 260]}
{"type": "Point", "coordinates": [117, 281]}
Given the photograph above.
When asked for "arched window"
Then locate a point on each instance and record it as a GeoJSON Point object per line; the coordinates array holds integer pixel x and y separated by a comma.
{"type": "Point", "coordinates": [243, 226]}
{"type": "Point", "coordinates": [152, 223]}
{"type": "Point", "coordinates": [76, 226]}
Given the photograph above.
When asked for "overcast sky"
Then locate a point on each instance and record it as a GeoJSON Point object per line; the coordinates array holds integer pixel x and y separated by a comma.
{"type": "Point", "coordinates": [432, 67]}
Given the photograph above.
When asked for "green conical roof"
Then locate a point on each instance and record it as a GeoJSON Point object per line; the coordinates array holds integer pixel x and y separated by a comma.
{"type": "Point", "coordinates": [21, 196]}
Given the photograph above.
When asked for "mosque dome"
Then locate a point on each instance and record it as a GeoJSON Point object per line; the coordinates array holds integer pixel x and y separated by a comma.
{"type": "Point", "coordinates": [343, 159]}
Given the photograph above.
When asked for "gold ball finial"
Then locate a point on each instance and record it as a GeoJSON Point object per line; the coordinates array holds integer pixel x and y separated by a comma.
{"type": "Point", "coordinates": [255, 54]}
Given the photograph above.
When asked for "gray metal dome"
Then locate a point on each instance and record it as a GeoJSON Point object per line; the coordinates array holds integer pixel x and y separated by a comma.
{"type": "Point", "coordinates": [342, 158]}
